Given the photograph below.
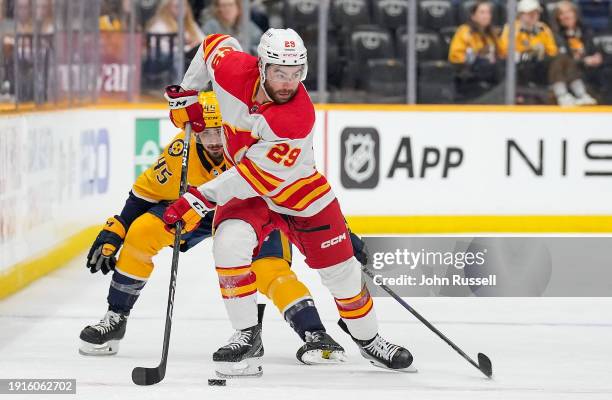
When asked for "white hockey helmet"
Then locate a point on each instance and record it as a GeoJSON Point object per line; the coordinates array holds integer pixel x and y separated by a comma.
{"type": "Point", "coordinates": [281, 47]}
{"type": "Point", "coordinates": [526, 6]}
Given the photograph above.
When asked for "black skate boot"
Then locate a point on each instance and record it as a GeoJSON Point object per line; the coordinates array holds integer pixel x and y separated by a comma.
{"type": "Point", "coordinates": [102, 339]}
{"type": "Point", "coordinates": [241, 357]}
{"type": "Point", "coordinates": [387, 355]}
{"type": "Point", "coordinates": [320, 348]}
{"type": "Point", "coordinates": [381, 353]}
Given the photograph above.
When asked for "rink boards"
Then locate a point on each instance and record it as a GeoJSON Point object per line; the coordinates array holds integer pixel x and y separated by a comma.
{"type": "Point", "coordinates": [395, 169]}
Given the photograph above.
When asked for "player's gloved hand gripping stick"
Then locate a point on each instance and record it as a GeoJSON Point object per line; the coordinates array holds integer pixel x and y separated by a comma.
{"type": "Point", "coordinates": [185, 108]}
{"type": "Point", "coordinates": [150, 376]}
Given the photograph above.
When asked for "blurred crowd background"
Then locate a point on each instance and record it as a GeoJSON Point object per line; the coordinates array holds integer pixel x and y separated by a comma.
{"type": "Point", "coordinates": [74, 52]}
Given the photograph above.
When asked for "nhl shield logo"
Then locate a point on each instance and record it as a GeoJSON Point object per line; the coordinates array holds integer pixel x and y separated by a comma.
{"type": "Point", "coordinates": [359, 153]}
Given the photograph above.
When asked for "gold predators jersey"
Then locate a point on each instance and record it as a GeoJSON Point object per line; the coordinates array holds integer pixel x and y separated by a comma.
{"type": "Point", "coordinates": [161, 180]}
{"type": "Point", "coordinates": [526, 41]}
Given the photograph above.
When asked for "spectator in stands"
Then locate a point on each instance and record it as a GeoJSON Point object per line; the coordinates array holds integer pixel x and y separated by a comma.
{"type": "Point", "coordinates": [112, 16]}
{"type": "Point", "coordinates": [475, 51]}
{"type": "Point", "coordinates": [537, 56]}
{"type": "Point", "coordinates": [576, 42]}
{"type": "Point", "coordinates": [44, 16]}
{"type": "Point", "coordinates": [165, 20]}
{"type": "Point", "coordinates": [226, 18]}
{"type": "Point", "coordinates": [23, 16]}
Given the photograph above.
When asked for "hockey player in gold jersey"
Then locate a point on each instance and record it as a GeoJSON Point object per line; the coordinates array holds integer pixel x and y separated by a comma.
{"type": "Point", "coordinates": [141, 231]}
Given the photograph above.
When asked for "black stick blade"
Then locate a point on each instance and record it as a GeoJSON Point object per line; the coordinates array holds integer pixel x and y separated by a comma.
{"type": "Point", "coordinates": [484, 365]}
{"type": "Point", "coordinates": [147, 376]}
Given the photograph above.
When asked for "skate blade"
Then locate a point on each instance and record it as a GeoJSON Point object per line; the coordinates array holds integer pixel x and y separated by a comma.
{"type": "Point", "coordinates": [315, 357]}
{"type": "Point", "coordinates": [409, 369]}
{"type": "Point", "coordinates": [107, 349]}
{"type": "Point", "coordinates": [247, 368]}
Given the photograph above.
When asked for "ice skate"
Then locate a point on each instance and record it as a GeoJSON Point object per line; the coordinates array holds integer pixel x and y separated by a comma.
{"type": "Point", "coordinates": [386, 355]}
{"type": "Point", "coordinates": [241, 357]}
{"type": "Point", "coordinates": [102, 339]}
{"type": "Point", "coordinates": [320, 348]}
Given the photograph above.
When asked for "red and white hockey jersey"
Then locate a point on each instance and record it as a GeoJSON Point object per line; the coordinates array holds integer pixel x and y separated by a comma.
{"type": "Point", "coordinates": [270, 145]}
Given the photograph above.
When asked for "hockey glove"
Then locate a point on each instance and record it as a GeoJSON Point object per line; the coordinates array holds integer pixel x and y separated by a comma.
{"type": "Point", "coordinates": [101, 256]}
{"type": "Point", "coordinates": [184, 108]}
{"type": "Point", "coordinates": [189, 208]}
{"type": "Point", "coordinates": [359, 249]}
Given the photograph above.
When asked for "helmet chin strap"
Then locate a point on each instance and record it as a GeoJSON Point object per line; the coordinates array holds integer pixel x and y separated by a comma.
{"type": "Point", "coordinates": [262, 79]}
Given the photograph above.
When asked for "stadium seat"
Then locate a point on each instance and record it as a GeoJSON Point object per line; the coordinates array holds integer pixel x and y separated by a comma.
{"type": "Point", "coordinates": [447, 35]}
{"type": "Point", "coordinates": [435, 14]}
{"type": "Point", "coordinates": [604, 43]}
{"type": "Point", "coordinates": [334, 66]}
{"type": "Point", "coordinates": [309, 34]}
{"type": "Point", "coordinates": [390, 14]}
{"type": "Point", "coordinates": [436, 83]}
{"type": "Point", "coordinates": [435, 75]}
{"type": "Point", "coordinates": [347, 14]}
{"type": "Point", "coordinates": [386, 81]}
{"type": "Point", "coordinates": [367, 43]}
{"type": "Point", "coordinates": [596, 14]}
{"type": "Point", "coordinates": [301, 13]}
{"type": "Point", "coordinates": [429, 46]}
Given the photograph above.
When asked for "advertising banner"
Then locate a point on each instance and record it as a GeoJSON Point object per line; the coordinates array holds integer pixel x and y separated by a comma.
{"type": "Point", "coordinates": [470, 163]}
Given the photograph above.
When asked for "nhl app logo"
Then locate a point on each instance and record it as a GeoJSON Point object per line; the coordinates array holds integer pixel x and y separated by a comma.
{"type": "Point", "coordinates": [359, 156]}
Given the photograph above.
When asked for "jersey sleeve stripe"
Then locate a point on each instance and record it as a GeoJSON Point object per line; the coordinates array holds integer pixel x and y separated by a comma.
{"type": "Point", "coordinates": [308, 191]}
{"type": "Point", "coordinates": [211, 42]}
{"type": "Point", "coordinates": [294, 187]}
{"type": "Point", "coordinates": [312, 196]}
{"type": "Point", "coordinates": [268, 177]}
{"type": "Point", "coordinates": [247, 176]}
{"type": "Point", "coordinates": [262, 182]}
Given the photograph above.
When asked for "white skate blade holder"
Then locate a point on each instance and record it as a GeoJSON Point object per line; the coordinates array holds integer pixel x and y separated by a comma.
{"type": "Point", "coordinates": [315, 357]}
{"type": "Point", "coordinates": [106, 349]}
{"type": "Point", "coordinates": [247, 368]}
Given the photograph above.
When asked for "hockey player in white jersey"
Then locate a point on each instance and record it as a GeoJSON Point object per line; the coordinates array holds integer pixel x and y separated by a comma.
{"type": "Point", "coordinates": [273, 184]}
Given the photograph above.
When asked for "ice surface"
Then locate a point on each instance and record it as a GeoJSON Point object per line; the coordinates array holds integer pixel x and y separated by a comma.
{"type": "Point", "coordinates": [557, 348]}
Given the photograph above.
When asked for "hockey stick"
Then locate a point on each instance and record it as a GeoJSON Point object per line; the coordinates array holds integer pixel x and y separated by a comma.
{"type": "Point", "coordinates": [150, 376]}
{"type": "Point", "coordinates": [484, 363]}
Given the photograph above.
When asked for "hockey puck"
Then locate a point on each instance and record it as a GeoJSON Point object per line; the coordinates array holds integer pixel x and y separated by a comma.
{"type": "Point", "coordinates": [217, 382]}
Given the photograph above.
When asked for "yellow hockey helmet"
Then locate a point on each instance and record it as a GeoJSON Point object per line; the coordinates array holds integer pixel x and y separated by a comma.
{"type": "Point", "coordinates": [210, 105]}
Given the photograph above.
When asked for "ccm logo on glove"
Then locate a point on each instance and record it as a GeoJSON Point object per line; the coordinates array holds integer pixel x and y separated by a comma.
{"type": "Point", "coordinates": [185, 108]}
{"type": "Point", "coordinates": [189, 208]}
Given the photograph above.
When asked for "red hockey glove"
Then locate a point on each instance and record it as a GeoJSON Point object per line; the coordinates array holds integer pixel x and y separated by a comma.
{"type": "Point", "coordinates": [189, 208]}
{"type": "Point", "coordinates": [184, 108]}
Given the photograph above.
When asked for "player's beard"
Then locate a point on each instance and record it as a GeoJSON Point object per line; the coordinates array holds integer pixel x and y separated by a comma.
{"type": "Point", "coordinates": [279, 96]}
{"type": "Point", "coordinates": [215, 152]}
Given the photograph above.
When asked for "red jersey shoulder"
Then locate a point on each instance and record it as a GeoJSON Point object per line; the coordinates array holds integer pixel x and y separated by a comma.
{"type": "Point", "coordinates": [211, 43]}
{"type": "Point", "coordinates": [236, 73]}
{"type": "Point", "coordinates": [294, 119]}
